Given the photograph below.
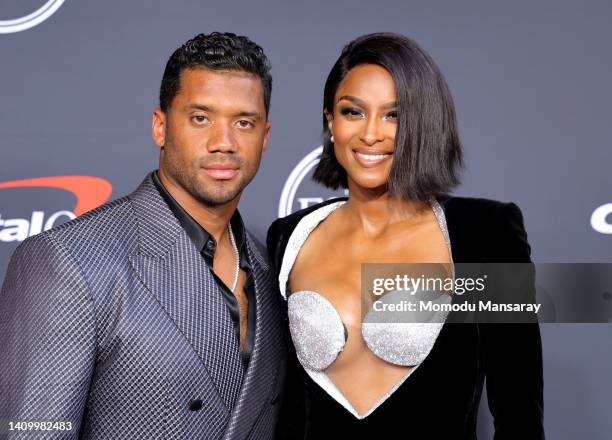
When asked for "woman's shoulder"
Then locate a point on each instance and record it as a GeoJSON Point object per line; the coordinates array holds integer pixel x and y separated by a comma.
{"type": "Point", "coordinates": [476, 210]}
{"type": "Point", "coordinates": [287, 224]}
{"type": "Point", "coordinates": [500, 224]}
{"type": "Point", "coordinates": [281, 229]}
{"type": "Point", "coordinates": [477, 205]}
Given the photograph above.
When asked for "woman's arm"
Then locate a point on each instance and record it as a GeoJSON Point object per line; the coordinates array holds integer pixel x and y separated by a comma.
{"type": "Point", "coordinates": [512, 353]}
{"type": "Point", "coordinates": [292, 416]}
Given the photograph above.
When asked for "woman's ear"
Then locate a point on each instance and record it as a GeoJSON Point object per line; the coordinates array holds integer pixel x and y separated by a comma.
{"type": "Point", "coordinates": [330, 119]}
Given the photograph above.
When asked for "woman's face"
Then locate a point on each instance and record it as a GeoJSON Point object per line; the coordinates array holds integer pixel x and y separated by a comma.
{"type": "Point", "coordinates": [364, 123]}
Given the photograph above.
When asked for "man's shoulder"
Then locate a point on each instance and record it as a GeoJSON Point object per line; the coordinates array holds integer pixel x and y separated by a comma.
{"type": "Point", "coordinates": [112, 217]}
{"type": "Point", "coordinates": [104, 230]}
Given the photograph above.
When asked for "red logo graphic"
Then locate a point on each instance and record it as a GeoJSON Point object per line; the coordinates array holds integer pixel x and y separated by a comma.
{"type": "Point", "coordinates": [90, 192]}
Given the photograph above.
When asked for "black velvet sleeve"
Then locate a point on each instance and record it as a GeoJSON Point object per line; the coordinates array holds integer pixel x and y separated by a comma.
{"type": "Point", "coordinates": [292, 415]}
{"type": "Point", "coordinates": [512, 353]}
{"type": "Point", "coordinates": [274, 245]}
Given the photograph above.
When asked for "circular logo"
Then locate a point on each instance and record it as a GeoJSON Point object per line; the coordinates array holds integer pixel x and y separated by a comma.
{"type": "Point", "coordinates": [599, 220]}
{"type": "Point", "coordinates": [296, 195]}
{"type": "Point", "coordinates": [30, 20]}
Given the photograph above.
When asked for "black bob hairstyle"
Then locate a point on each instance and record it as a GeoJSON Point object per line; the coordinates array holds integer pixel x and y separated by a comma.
{"type": "Point", "coordinates": [428, 152]}
{"type": "Point", "coordinates": [215, 51]}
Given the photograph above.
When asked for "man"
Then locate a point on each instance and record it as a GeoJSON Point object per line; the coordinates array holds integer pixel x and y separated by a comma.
{"type": "Point", "coordinates": [156, 316]}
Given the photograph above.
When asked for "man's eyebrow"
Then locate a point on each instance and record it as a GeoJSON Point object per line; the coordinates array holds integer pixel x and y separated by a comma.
{"type": "Point", "coordinates": [360, 103]}
{"type": "Point", "coordinates": [255, 115]}
{"type": "Point", "coordinates": [199, 107]}
{"type": "Point", "coordinates": [207, 108]}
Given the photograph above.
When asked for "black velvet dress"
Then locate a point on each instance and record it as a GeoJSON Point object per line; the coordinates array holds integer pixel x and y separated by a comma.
{"type": "Point", "coordinates": [440, 399]}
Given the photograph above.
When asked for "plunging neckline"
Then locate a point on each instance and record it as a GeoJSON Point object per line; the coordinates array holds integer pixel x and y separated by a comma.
{"type": "Point", "coordinates": [297, 239]}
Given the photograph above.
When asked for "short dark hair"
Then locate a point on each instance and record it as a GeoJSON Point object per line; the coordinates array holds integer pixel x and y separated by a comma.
{"type": "Point", "coordinates": [215, 51]}
{"type": "Point", "coordinates": [428, 152]}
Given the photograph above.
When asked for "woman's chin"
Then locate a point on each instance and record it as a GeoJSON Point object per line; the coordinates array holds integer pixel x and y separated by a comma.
{"type": "Point", "coordinates": [378, 186]}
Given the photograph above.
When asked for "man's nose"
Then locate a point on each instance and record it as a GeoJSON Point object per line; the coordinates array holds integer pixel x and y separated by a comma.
{"type": "Point", "coordinates": [221, 139]}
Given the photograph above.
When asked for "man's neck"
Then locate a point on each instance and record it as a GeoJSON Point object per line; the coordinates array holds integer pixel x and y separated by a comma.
{"type": "Point", "coordinates": [214, 219]}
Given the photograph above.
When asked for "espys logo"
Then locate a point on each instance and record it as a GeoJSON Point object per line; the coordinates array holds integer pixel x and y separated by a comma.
{"type": "Point", "coordinates": [298, 192]}
{"type": "Point", "coordinates": [90, 192]}
{"type": "Point", "coordinates": [30, 20]}
{"type": "Point", "coordinates": [599, 216]}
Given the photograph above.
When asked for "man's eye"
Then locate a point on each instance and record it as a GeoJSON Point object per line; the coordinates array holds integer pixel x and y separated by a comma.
{"type": "Point", "coordinates": [350, 111]}
{"type": "Point", "coordinates": [199, 119]}
{"type": "Point", "coordinates": [243, 123]}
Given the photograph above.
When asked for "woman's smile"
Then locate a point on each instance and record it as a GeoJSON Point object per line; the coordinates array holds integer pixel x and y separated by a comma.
{"type": "Point", "coordinates": [369, 158]}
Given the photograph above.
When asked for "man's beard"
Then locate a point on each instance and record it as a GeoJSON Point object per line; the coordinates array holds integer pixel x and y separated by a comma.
{"type": "Point", "coordinates": [218, 193]}
{"type": "Point", "coordinates": [214, 197]}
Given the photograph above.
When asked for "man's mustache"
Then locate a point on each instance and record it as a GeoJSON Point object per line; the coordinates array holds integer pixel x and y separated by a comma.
{"type": "Point", "coordinates": [223, 159]}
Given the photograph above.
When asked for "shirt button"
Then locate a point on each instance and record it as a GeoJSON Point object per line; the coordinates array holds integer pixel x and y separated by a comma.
{"type": "Point", "coordinates": [210, 245]}
{"type": "Point", "coordinates": [196, 405]}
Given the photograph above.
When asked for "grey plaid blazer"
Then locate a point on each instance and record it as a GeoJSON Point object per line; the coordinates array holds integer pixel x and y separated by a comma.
{"type": "Point", "coordinates": [114, 322]}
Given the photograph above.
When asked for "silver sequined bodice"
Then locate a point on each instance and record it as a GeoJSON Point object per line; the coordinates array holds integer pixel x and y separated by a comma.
{"type": "Point", "coordinates": [317, 330]}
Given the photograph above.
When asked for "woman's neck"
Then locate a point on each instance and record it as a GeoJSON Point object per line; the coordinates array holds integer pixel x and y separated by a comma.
{"type": "Point", "coordinates": [374, 210]}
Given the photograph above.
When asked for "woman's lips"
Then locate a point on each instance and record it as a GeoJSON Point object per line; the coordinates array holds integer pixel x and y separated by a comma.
{"type": "Point", "coordinates": [368, 159]}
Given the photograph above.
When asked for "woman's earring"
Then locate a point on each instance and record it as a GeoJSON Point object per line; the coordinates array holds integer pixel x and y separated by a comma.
{"type": "Point", "coordinates": [332, 138]}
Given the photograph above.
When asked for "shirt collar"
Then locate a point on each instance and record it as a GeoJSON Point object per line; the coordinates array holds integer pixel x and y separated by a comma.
{"type": "Point", "coordinates": [198, 235]}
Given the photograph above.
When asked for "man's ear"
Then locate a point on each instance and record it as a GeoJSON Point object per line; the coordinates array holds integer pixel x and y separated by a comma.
{"type": "Point", "coordinates": [266, 136]}
{"type": "Point", "coordinates": [158, 127]}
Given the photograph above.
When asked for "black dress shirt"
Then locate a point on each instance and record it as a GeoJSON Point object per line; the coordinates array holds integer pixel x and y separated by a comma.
{"type": "Point", "coordinates": [206, 245]}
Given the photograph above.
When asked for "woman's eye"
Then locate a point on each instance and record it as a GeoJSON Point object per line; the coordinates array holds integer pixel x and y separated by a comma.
{"type": "Point", "coordinates": [391, 115]}
{"type": "Point", "coordinates": [349, 111]}
{"type": "Point", "coordinates": [243, 123]}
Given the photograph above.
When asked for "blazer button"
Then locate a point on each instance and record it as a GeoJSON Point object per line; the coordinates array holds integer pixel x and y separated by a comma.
{"type": "Point", "coordinates": [196, 404]}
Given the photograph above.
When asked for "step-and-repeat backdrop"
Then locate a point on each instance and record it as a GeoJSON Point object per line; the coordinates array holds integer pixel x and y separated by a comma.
{"type": "Point", "coordinates": [531, 82]}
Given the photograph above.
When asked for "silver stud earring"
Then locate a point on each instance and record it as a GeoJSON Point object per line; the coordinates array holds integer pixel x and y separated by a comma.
{"type": "Point", "coordinates": [332, 139]}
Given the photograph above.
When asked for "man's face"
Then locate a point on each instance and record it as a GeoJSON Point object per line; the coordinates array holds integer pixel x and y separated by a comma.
{"type": "Point", "coordinates": [213, 135]}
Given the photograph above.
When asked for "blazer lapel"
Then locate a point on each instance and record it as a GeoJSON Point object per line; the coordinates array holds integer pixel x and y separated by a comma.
{"type": "Point", "coordinates": [267, 353]}
{"type": "Point", "coordinates": [456, 224]}
{"type": "Point", "coordinates": [174, 272]}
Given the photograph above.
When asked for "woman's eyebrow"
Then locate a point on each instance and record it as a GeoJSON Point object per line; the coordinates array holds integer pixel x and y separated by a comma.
{"type": "Point", "coordinates": [361, 103]}
{"type": "Point", "coordinates": [352, 99]}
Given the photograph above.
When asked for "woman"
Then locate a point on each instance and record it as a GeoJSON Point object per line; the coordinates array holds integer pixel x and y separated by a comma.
{"type": "Point", "coordinates": [390, 137]}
